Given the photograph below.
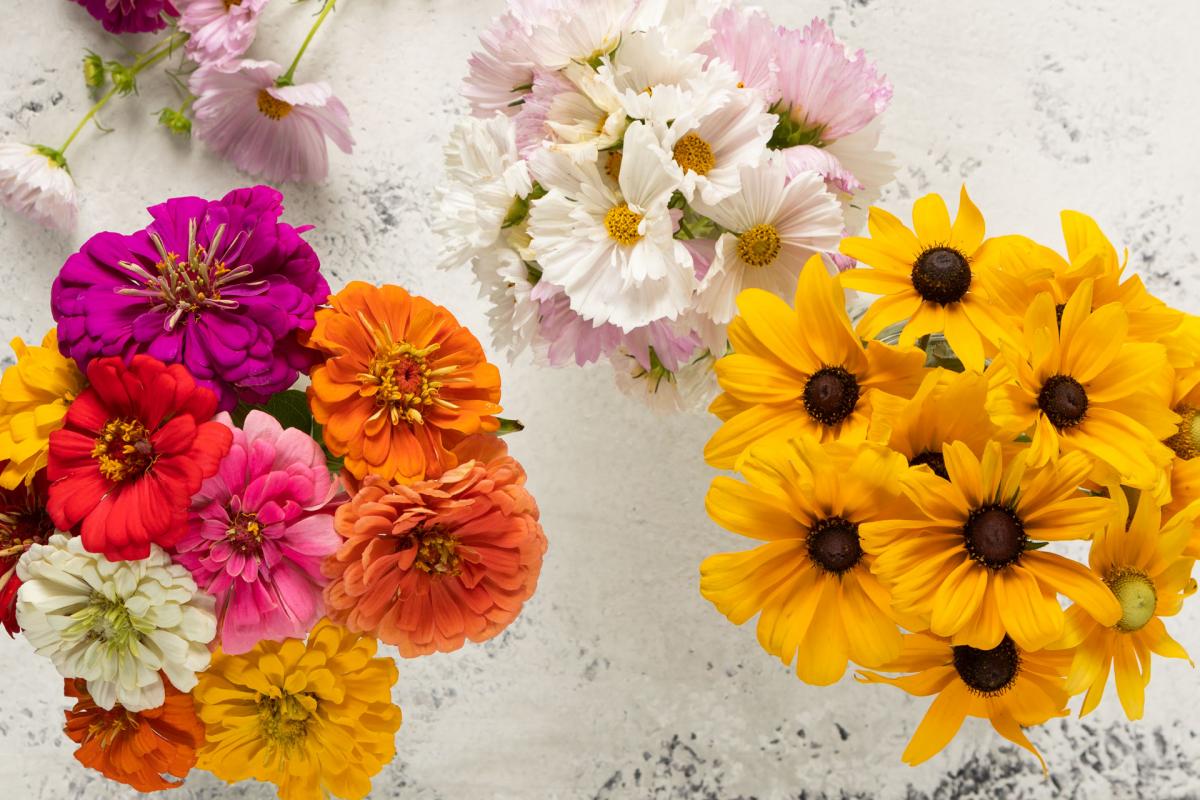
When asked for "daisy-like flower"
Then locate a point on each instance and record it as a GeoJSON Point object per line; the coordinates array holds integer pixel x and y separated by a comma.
{"type": "Point", "coordinates": [747, 41]}
{"type": "Point", "coordinates": [613, 252]}
{"type": "Point", "coordinates": [136, 748]}
{"type": "Point", "coordinates": [579, 31]}
{"type": "Point", "coordinates": [221, 286]}
{"type": "Point", "coordinates": [35, 183]}
{"type": "Point", "coordinates": [664, 390]}
{"type": "Point", "coordinates": [811, 579]}
{"type": "Point", "coordinates": [805, 372]}
{"type": "Point", "coordinates": [401, 380]}
{"type": "Point", "coordinates": [1084, 387]}
{"type": "Point", "coordinates": [115, 624]}
{"type": "Point", "coordinates": [131, 16]}
{"type": "Point", "coordinates": [1182, 484]}
{"type": "Point", "coordinates": [314, 718]}
{"type": "Point", "coordinates": [1011, 687]}
{"type": "Point", "coordinates": [276, 132]}
{"type": "Point", "coordinates": [774, 226]}
{"type": "Point", "coordinates": [968, 565]}
{"type": "Point", "coordinates": [1148, 570]}
{"type": "Point", "coordinates": [23, 523]}
{"type": "Point", "coordinates": [219, 30]}
{"type": "Point", "coordinates": [136, 446]}
{"type": "Point", "coordinates": [657, 83]}
{"type": "Point", "coordinates": [34, 396]}
{"type": "Point", "coordinates": [258, 531]}
{"type": "Point", "coordinates": [504, 279]}
{"type": "Point", "coordinates": [501, 73]}
{"type": "Point", "coordinates": [565, 336]}
{"type": "Point", "coordinates": [572, 110]}
{"type": "Point", "coordinates": [429, 565]}
{"type": "Point", "coordinates": [949, 407]}
{"type": "Point", "coordinates": [935, 278]}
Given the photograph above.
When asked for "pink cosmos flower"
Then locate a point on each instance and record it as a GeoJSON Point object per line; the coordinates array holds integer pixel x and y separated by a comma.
{"type": "Point", "coordinates": [747, 41]}
{"type": "Point", "coordinates": [501, 73]}
{"type": "Point", "coordinates": [277, 132]}
{"type": "Point", "coordinates": [219, 29]}
{"type": "Point", "coordinates": [568, 336]}
{"type": "Point", "coordinates": [258, 531]}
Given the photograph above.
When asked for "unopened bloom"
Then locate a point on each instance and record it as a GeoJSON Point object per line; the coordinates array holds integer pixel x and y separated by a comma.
{"type": "Point", "coordinates": [35, 183]}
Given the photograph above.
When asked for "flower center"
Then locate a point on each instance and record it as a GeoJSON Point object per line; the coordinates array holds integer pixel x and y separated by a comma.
{"type": "Point", "coordinates": [437, 551]}
{"type": "Point", "coordinates": [106, 620]}
{"type": "Point", "coordinates": [1058, 312]}
{"type": "Point", "coordinates": [123, 449]}
{"type": "Point", "coordinates": [834, 546]}
{"type": "Point", "coordinates": [284, 720]}
{"type": "Point", "coordinates": [988, 672]}
{"type": "Point", "coordinates": [272, 107]}
{"type": "Point", "coordinates": [759, 246]}
{"type": "Point", "coordinates": [245, 532]}
{"type": "Point", "coordinates": [941, 275]}
{"type": "Point", "coordinates": [231, 3]}
{"type": "Point", "coordinates": [622, 225]}
{"type": "Point", "coordinates": [692, 152]}
{"type": "Point", "coordinates": [935, 461]}
{"type": "Point", "coordinates": [403, 382]}
{"type": "Point", "coordinates": [1137, 596]}
{"type": "Point", "coordinates": [830, 395]}
{"type": "Point", "coordinates": [995, 536]}
{"type": "Point", "coordinates": [1186, 443]}
{"type": "Point", "coordinates": [1063, 401]}
{"type": "Point", "coordinates": [21, 527]}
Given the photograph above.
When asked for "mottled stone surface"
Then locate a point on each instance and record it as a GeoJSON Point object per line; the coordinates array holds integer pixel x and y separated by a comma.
{"type": "Point", "coordinates": [619, 681]}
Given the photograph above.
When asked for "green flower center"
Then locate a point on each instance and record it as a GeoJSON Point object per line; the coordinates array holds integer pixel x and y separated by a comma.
{"type": "Point", "coordinates": [1137, 596]}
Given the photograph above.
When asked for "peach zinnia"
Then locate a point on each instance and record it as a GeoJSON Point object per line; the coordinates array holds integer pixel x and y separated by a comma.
{"type": "Point", "coordinates": [401, 381]}
{"type": "Point", "coordinates": [428, 565]}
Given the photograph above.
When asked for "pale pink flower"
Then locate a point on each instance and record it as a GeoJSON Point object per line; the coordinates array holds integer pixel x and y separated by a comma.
{"type": "Point", "coordinates": [748, 42]}
{"type": "Point", "coordinates": [35, 183]}
{"type": "Point", "coordinates": [566, 335]}
{"type": "Point", "coordinates": [501, 73]}
{"type": "Point", "coordinates": [219, 29]}
{"type": "Point", "coordinates": [258, 531]}
{"type": "Point", "coordinates": [277, 132]}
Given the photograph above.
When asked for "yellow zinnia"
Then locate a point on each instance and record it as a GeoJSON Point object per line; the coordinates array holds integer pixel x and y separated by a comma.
{"type": "Point", "coordinates": [967, 565]}
{"type": "Point", "coordinates": [1010, 687]}
{"type": "Point", "coordinates": [820, 603]}
{"type": "Point", "coordinates": [1146, 568]}
{"type": "Point", "coordinates": [315, 718]}
{"type": "Point", "coordinates": [805, 372]}
{"type": "Point", "coordinates": [933, 278]}
{"type": "Point", "coordinates": [34, 395]}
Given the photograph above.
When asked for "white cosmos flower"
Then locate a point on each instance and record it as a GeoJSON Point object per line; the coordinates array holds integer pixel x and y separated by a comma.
{"type": "Point", "coordinates": [115, 624]}
{"type": "Point", "coordinates": [687, 22]}
{"type": "Point", "coordinates": [504, 280]}
{"type": "Point", "coordinates": [35, 183]}
{"type": "Point", "coordinates": [658, 83]}
{"type": "Point", "coordinates": [666, 392]}
{"type": "Point", "coordinates": [613, 251]}
{"type": "Point", "coordinates": [859, 154]}
{"type": "Point", "coordinates": [484, 177]}
{"type": "Point", "coordinates": [774, 225]}
{"type": "Point", "coordinates": [571, 111]}
{"type": "Point", "coordinates": [712, 148]}
{"type": "Point", "coordinates": [580, 31]}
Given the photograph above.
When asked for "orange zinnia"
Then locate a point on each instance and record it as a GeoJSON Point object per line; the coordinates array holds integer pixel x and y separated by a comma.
{"type": "Point", "coordinates": [136, 748]}
{"type": "Point", "coordinates": [401, 381]}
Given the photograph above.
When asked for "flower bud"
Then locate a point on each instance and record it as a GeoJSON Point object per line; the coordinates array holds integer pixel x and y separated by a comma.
{"type": "Point", "coordinates": [124, 78]}
{"type": "Point", "coordinates": [94, 73]}
{"type": "Point", "coordinates": [175, 121]}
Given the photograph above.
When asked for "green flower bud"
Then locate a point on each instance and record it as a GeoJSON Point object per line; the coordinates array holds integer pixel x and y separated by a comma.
{"type": "Point", "coordinates": [124, 78]}
{"type": "Point", "coordinates": [94, 73]}
{"type": "Point", "coordinates": [175, 121]}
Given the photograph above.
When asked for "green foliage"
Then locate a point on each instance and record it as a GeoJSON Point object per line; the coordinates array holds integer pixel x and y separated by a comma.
{"type": "Point", "coordinates": [291, 410]}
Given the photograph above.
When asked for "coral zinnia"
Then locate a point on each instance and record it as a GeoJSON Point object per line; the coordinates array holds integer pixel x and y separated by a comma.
{"type": "Point", "coordinates": [23, 523]}
{"type": "Point", "coordinates": [821, 605]}
{"type": "Point", "coordinates": [137, 748]}
{"type": "Point", "coordinates": [34, 395]}
{"type": "Point", "coordinates": [221, 287]}
{"type": "Point", "coordinates": [933, 278]}
{"type": "Point", "coordinates": [137, 445]}
{"type": "Point", "coordinates": [400, 376]}
{"type": "Point", "coordinates": [428, 565]}
{"type": "Point", "coordinates": [258, 530]}
{"type": "Point", "coordinates": [805, 372]}
{"type": "Point", "coordinates": [1007, 685]}
{"type": "Point", "coordinates": [969, 566]}
{"type": "Point", "coordinates": [315, 718]}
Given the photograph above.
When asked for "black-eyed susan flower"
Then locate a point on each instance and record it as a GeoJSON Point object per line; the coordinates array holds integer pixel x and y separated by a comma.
{"type": "Point", "coordinates": [1181, 481]}
{"type": "Point", "coordinates": [804, 371]}
{"type": "Point", "coordinates": [1007, 685]}
{"type": "Point", "coordinates": [934, 277]}
{"type": "Point", "coordinates": [967, 565]}
{"type": "Point", "coordinates": [948, 407]}
{"type": "Point", "coordinates": [811, 580]}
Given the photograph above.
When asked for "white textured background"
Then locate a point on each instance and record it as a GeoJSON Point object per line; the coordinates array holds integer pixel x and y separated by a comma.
{"type": "Point", "coordinates": [619, 681]}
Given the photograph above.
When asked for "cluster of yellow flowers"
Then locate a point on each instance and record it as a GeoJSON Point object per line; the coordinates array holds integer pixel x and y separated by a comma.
{"type": "Point", "coordinates": [903, 492]}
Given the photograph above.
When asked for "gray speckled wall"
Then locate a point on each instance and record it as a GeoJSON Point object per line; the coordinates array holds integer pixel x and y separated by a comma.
{"type": "Point", "coordinates": [619, 681]}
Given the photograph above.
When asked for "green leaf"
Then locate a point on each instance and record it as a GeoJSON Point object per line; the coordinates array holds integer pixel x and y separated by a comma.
{"type": "Point", "coordinates": [508, 426]}
{"type": "Point", "coordinates": [291, 410]}
{"type": "Point", "coordinates": [1035, 545]}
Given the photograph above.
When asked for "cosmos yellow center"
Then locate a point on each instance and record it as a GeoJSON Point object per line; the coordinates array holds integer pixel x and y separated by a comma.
{"type": "Point", "coordinates": [284, 720]}
{"type": "Point", "coordinates": [437, 552]}
{"type": "Point", "coordinates": [692, 152]}
{"type": "Point", "coordinates": [123, 449]}
{"type": "Point", "coordinates": [622, 225]}
{"type": "Point", "coordinates": [1186, 443]}
{"type": "Point", "coordinates": [1137, 596]}
{"type": "Point", "coordinates": [402, 381]}
{"type": "Point", "coordinates": [759, 246]}
{"type": "Point", "coordinates": [272, 107]}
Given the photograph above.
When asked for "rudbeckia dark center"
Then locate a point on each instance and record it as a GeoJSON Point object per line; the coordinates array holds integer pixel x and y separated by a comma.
{"type": "Point", "coordinates": [1186, 443]}
{"type": "Point", "coordinates": [1058, 312]}
{"type": "Point", "coordinates": [995, 536]}
{"type": "Point", "coordinates": [988, 671]}
{"type": "Point", "coordinates": [833, 545]}
{"type": "Point", "coordinates": [935, 461]}
{"type": "Point", "coordinates": [831, 395]}
{"type": "Point", "coordinates": [1063, 401]}
{"type": "Point", "coordinates": [941, 275]}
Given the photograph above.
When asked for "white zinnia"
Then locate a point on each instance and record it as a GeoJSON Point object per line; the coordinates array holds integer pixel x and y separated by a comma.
{"type": "Point", "coordinates": [35, 185]}
{"type": "Point", "coordinates": [774, 225]}
{"type": "Point", "coordinates": [613, 252]}
{"type": "Point", "coordinates": [115, 624]}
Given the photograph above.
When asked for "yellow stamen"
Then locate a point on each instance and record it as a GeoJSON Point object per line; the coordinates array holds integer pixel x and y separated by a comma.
{"type": "Point", "coordinates": [692, 152]}
{"type": "Point", "coordinates": [759, 246]}
{"type": "Point", "coordinates": [622, 225]}
{"type": "Point", "coordinates": [272, 107]}
{"type": "Point", "coordinates": [123, 449]}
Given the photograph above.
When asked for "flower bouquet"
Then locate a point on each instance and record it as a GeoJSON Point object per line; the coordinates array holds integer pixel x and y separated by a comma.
{"type": "Point", "coordinates": [925, 498]}
{"type": "Point", "coordinates": [210, 557]}
{"type": "Point", "coordinates": [629, 167]}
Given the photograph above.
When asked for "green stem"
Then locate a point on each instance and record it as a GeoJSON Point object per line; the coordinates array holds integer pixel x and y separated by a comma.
{"type": "Point", "coordinates": [286, 78]}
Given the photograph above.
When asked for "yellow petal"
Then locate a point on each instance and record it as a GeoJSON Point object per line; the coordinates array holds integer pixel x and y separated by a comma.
{"type": "Point", "coordinates": [932, 221]}
{"type": "Point", "coordinates": [1030, 613]}
{"type": "Point", "coordinates": [1076, 582]}
{"type": "Point", "coordinates": [941, 722]}
{"type": "Point", "coordinates": [968, 231]}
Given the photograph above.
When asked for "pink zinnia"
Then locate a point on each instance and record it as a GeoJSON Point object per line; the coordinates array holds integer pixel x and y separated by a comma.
{"type": "Point", "coordinates": [258, 531]}
{"type": "Point", "coordinates": [277, 132]}
{"type": "Point", "coordinates": [130, 16]}
{"type": "Point", "coordinates": [219, 29]}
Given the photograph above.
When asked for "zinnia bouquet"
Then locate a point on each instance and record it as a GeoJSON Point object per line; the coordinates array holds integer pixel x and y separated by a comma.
{"type": "Point", "coordinates": [924, 484]}
{"type": "Point", "coordinates": [629, 167]}
{"type": "Point", "coordinates": [208, 556]}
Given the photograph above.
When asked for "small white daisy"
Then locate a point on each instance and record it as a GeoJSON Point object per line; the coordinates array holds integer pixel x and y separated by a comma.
{"type": "Point", "coordinates": [686, 389]}
{"type": "Point", "coordinates": [658, 83]}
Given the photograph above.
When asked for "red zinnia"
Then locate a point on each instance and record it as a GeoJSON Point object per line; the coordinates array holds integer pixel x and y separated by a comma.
{"type": "Point", "coordinates": [136, 446]}
{"type": "Point", "coordinates": [23, 522]}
